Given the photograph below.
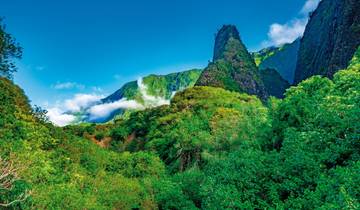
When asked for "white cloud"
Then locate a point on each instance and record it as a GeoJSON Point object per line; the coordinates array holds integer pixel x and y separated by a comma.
{"type": "Point", "coordinates": [68, 85]}
{"type": "Point", "coordinates": [309, 6]}
{"type": "Point", "coordinates": [286, 33]}
{"type": "Point", "coordinates": [60, 113]}
{"type": "Point", "coordinates": [280, 34]}
{"type": "Point", "coordinates": [63, 113]}
{"type": "Point", "coordinates": [59, 118]}
{"type": "Point", "coordinates": [81, 101]}
{"type": "Point", "coordinates": [101, 111]}
{"type": "Point", "coordinates": [104, 110]}
{"type": "Point", "coordinates": [150, 101]}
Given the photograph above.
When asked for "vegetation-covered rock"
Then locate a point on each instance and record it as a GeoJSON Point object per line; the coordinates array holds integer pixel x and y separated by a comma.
{"type": "Point", "coordinates": [331, 37]}
{"type": "Point", "coordinates": [233, 67]}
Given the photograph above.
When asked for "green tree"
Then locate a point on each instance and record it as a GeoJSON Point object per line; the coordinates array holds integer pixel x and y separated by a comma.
{"type": "Point", "coordinates": [9, 49]}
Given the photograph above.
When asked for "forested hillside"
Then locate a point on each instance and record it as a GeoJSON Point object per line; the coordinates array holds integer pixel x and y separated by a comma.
{"type": "Point", "coordinates": [202, 151]}
{"type": "Point", "coordinates": [221, 144]}
{"type": "Point", "coordinates": [228, 150]}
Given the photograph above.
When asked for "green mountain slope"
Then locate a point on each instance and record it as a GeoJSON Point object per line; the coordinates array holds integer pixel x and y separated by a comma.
{"type": "Point", "coordinates": [46, 167]}
{"type": "Point", "coordinates": [233, 68]}
{"type": "Point", "coordinates": [147, 92]}
{"type": "Point", "coordinates": [301, 152]}
{"type": "Point", "coordinates": [199, 119]}
{"type": "Point", "coordinates": [157, 85]}
{"type": "Point", "coordinates": [209, 148]}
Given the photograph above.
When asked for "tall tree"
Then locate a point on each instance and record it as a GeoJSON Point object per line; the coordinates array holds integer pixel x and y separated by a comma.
{"type": "Point", "coordinates": [9, 50]}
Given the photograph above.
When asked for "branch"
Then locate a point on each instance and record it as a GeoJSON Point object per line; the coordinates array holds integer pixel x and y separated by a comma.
{"type": "Point", "coordinates": [19, 199]}
{"type": "Point", "coordinates": [8, 176]}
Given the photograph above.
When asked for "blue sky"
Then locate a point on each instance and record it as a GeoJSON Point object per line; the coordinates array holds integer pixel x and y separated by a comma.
{"type": "Point", "coordinates": [95, 46]}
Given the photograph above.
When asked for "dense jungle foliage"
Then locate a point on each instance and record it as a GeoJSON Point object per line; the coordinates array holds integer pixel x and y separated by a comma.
{"type": "Point", "coordinates": [209, 149]}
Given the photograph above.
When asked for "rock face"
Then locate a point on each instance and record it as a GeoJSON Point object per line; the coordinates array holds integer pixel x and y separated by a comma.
{"type": "Point", "coordinates": [330, 39]}
{"type": "Point", "coordinates": [233, 68]}
{"type": "Point", "coordinates": [283, 59]}
{"type": "Point", "coordinates": [228, 33]}
{"type": "Point", "coordinates": [275, 85]}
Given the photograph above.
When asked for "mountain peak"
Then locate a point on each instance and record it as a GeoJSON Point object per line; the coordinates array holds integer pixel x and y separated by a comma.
{"type": "Point", "coordinates": [233, 67]}
{"type": "Point", "coordinates": [224, 36]}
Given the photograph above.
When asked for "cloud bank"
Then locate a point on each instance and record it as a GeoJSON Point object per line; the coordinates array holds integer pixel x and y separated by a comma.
{"type": "Point", "coordinates": [60, 113]}
{"type": "Point", "coordinates": [81, 101]}
{"type": "Point", "coordinates": [102, 111]}
{"type": "Point", "coordinates": [286, 33]}
{"type": "Point", "coordinates": [57, 116]}
{"type": "Point", "coordinates": [149, 100]}
{"type": "Point", "coordinates": [91, 107]}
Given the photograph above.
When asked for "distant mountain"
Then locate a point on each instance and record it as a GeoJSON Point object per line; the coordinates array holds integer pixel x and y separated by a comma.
{"type": "Point", "coordinates": [283, 59]}
{"type": "Point", "coordinates": [233, 68]}
{"type": "Point", "coordinates": [274, 83]}
{"type": "Point", "coordinates": [331, 37]}
{"type": "Point", "coordinates": [162, 86]}
{"type": "Point", "coordinates": [149, 91]}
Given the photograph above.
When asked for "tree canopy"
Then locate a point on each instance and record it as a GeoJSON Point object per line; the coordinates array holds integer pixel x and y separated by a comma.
{"type": "Point", "coordinates": [9, 50]}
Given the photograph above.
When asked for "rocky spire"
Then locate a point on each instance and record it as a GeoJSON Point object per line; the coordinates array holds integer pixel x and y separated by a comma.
{"type": "Point", "coordinates": [233, 68]}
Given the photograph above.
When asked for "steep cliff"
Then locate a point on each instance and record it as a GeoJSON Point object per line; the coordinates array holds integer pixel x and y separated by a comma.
{"type": "Point", "coordinates": [330, 39]}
